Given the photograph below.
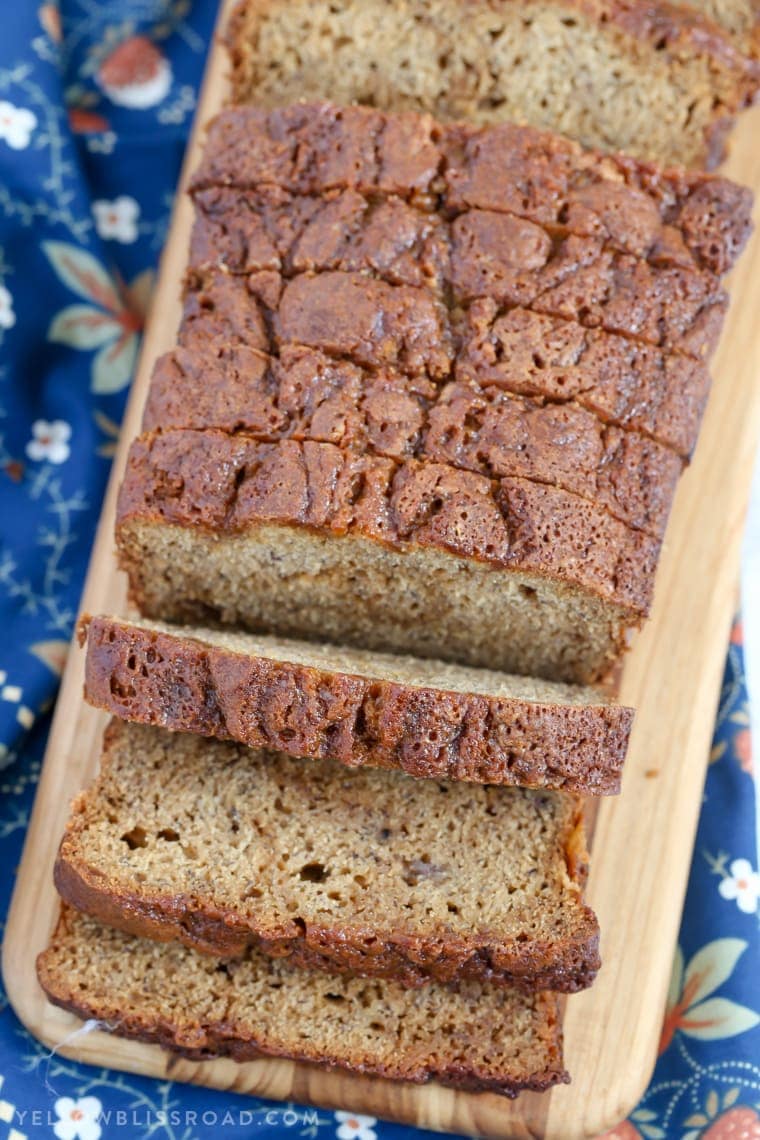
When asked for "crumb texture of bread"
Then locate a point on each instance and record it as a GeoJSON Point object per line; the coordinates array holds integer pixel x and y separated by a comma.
{"type": "Point", "coordinates": [370, 872]}
{"type": "Point", "coordinates": [477, 1037]}
{"type": "Point", "coordinates": [306, 540]}
{"type": "Point", "coordinates": [740, 19]}
{"type": "Point", "coordinates": [656, 80]}
{"type": "Point", "coordinates": [427, 718]}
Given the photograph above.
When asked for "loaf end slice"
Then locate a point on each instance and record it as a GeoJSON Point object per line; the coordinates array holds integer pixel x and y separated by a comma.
{"type": "Point", "coordinates": [224, 847]}
{"type": "Point", "coordinates": [477, 1038]}
{"type": "Point", "coordinates": [427, 718]}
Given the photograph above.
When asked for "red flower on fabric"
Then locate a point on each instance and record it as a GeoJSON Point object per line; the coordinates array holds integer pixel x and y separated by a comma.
{"type": "Point", "coordinates": [135, 74]}
{"type": "Point", "coordinates": [743, 747]}
{"type": "Point", "coordinates": [84, 122]}
{"type": "Point", "coordinates": [737, 1124]}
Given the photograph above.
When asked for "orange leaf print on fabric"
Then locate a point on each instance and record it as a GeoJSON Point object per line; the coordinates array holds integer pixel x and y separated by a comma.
{"type": "Point", "coordinates": [690, 1008]}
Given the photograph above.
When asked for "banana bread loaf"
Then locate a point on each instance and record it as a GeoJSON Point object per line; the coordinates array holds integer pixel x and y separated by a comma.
{"type": "Point", "coordinates": [477, 1037]}
{"type": "Point", "coordinates": [277, 529]}
{"type": "Point", "coordinates": [425, 717]}
{"type": "Point", "coordinates": [223, 847]}
{"type": "Point", "coordinates": [654, 79]}
{"type": "Point", "coordinates": [307, 540]}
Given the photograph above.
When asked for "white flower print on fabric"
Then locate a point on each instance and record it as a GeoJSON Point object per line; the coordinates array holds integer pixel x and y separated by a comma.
{"type": "Point", "coordinates": [50, 441]}
{"type": "Point", "coordinates": [136, 74]}
{"type": "Point", "coordinates": [78, 1119]}
{"type": "Point", "coordinates": [352, 1126]}
{"type": "Point", "coordinates": [117, 220]}
{"type": "Point", "coordinates": [7, 315]}
{"type": "Point", "coordinates": [16, 125]}
{"type": "Point", "coordinates": [741, 886]}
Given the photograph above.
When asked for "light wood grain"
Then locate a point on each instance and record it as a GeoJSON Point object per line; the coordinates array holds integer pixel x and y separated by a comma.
{"type": "Point", "coordinates": [643, 839]}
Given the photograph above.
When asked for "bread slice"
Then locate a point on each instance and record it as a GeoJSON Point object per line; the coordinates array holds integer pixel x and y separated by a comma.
{"type": "Point", "coordinates": [426, 718]}
{"type": "Point", "coordinates": [519, 216]}
{"type": "Point", "coordinates": [653, 79]}
{"type": "Point", "coordinates": [309, 541]}
{"type": "Point", "coordinates": [224, 847]}
{"type": "Point", "coordinates": [303, 394]}
{"type": "Point", "coordinates": [624, 382]}
{"type": "Point", "coordinates": [270, 182]}
{"type": "Point", "coordinates": [479, 1037]}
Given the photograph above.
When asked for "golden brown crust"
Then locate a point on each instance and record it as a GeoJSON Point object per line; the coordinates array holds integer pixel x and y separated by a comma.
{"type": "Point", "coordinates": [429, 169]}
{"type": "Point", "coordinates": [305, 395]}
{"type": "Point", "coordinates": [624, 382]}
{"type": "Point", "coordinates": [564, 966]}
{"type": "Point", "coordinates": [227, 484]}
{"type": "Point", "coordinates": [244, 1039]}
{"type": "Point", "coordinates": [183, 684]}
{"type": "Point", "coordinates": [490, 255]}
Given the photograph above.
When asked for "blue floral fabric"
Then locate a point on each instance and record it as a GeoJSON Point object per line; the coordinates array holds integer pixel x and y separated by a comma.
{"type": "Point", "coordinates": [96, 98]}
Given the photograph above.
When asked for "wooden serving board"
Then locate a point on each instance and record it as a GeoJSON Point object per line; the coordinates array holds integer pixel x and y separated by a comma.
{"type": "Point", "coordinates": [643, 839]}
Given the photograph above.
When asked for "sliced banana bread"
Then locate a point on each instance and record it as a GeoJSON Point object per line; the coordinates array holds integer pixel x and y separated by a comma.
{"type": "Point", "coordinates": [654, 79]}
{"type": "Point", "coordinates": [350, 312]}
{"type": "Point", "coordinates": [223, 846]}
{"type": "Point", "coordinates": [309, 541]}
{"type": "Point", "coordinates": [425, 717]}
{"type": "Point", "coordinates": [624, 382]}
{"type": "Point", "coordinates": [258, 191]}
{"type": "Point", "coordinates": [305, 395]}
{"type": "Point", "coordinates": [477, 1037]}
